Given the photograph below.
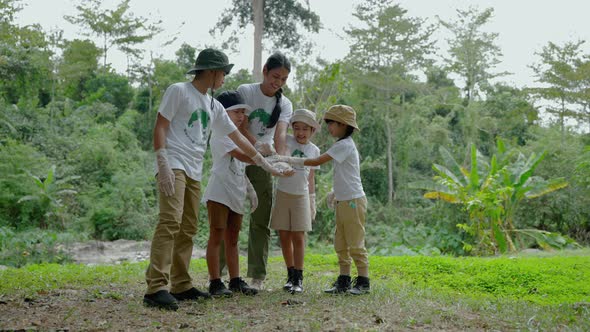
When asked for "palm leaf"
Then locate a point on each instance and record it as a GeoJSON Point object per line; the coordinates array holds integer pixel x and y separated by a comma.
{"type": "Point", "coordinates": [447, 174]}
{"type": "Point", "coordinates": [452, 164]}
{"type": "Point", "coordinates": [28, 198]}
{"type": "Point", "coordinates": [473, 175]}
{"type": "Point", "coordinates": [447, 197]}
{"type": "Point", "coordinates": [546, 187]}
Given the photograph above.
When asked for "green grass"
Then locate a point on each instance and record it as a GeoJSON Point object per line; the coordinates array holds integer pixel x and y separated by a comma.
{"type": "Point", "coordinates": [525, 292]}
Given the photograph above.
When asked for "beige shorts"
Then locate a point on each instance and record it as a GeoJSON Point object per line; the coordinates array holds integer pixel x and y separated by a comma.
{"type": "Point", "coordinates": [291, 213]}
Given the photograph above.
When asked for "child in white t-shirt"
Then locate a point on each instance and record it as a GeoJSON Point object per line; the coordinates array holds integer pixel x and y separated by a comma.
{"type": "Point", "coordinates": [294, 206]}
{"type": "Point", "coordinates": [349, 198]}
{"type": "Point", "coordinates": [225, 195]}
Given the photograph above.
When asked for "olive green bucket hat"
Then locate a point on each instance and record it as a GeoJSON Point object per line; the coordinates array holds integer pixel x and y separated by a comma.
{"type": "Point", "coordinates": [343, 114]}
{"type": "Point", "coordinates": [211, 59]}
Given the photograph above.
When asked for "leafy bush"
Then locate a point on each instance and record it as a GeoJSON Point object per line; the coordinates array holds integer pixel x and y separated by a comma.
{"type": "Point", "coordinates": [33, 246]}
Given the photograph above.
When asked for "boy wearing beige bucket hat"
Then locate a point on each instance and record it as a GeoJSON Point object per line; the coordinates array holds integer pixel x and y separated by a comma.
{"type": "Point", "coordinates": [186, 117]}
{"type": "Point", "coordinates": [348, 197]}
{"type": "Point", "coordinates": [294, 207]}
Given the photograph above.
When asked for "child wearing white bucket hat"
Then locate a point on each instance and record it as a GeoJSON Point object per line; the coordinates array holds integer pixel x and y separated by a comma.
{"type": "Point", "coordinates": [294, 207]}
{"type": "Point", "coordinates": [348, 198]}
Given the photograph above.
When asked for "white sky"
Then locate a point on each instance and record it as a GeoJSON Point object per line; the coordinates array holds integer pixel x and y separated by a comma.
{"type": "Point", "coordinates": [524, 26]}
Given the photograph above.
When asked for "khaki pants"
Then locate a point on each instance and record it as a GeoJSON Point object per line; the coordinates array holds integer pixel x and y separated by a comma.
{"type": "Point", "coordinates": [172, 245]}
{"type": "Point", "coordinates": [259, 231]}
{"type": "Point", "coordinates": [349, 239]}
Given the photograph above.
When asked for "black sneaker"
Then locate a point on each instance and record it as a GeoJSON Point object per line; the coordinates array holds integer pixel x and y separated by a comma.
{"type": "Point", "coordinates": [191, 295]}
{"type": "Point", "coordinates": [217, 289]}
{"type": "Point", "coordinates": [361, 286]}
{"type": "Point", "coordinates": [289, 282]}
{"type": "Point", "coordinates": [239, 285]}
{"type": "Point", "coordinates": [297, 282]}
{"type": "Point", "coordinates": [341, 285]}
{"type": "Point", "coordinates": [160, 299]}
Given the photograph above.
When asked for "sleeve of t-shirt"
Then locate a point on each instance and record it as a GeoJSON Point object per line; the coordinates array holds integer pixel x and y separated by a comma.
{"type": "Point", "coordinates": [170, 101]}
{"type": "Point", "coordinates": [221, 124]}
{"type": "Point", "coordinates": [340, 151]}
{"type": "Point", "coordinates": [286, 110]}
{"type": "Point", "coordinates": [227, 144]}
{"type": "Point", "coordinates": [245, 91]}
{"type": "Point", "coordinates": [314, 154]}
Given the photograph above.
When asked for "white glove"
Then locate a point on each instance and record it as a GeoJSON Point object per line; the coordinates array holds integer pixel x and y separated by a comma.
{"type": "Point", "coordinates": [265, 149]}
{"type": "Point", "coordinates": [265, 165]}
{"type": "Point", "coordinates": [251, 193]}
{"type": "Point", "coordinates": [312, 206]}
{"type": "Point", "coordinates": [331, 200]}
{"type": "Point", "coordinates": [294, 161]}
{"type": "Point", "coordinates": [165, 175]}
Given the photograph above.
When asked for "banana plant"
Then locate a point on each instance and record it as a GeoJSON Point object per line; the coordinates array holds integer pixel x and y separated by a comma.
{"type": "Point", "coordinates": [49, 195]}
{"type": "Point", "coordinates": [491, 192]}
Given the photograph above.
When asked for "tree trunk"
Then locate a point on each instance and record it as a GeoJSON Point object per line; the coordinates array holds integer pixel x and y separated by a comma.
{"type": "Point", "coordinates": [258, 10]}
{"type": "Point", "coordinates": [390, 189]}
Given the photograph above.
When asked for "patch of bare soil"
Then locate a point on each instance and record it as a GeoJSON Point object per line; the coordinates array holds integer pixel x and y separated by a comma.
{"type": "Point", "coordinates": [114, 252]}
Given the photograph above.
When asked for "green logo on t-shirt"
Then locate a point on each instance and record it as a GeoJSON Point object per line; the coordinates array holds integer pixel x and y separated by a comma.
{"type": "Point", "coordinates": [203, 117]}
{"type": "Point", "coordinates": [258, 120]}
{"type": "Point", "coordinates": [298, 153]}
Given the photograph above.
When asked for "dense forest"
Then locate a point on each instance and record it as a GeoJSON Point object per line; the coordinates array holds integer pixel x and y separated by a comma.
{"type": "Point", "coordinates": [465, 166]}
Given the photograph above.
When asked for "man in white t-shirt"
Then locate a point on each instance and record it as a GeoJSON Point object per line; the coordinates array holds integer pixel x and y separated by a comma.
{"type": "Point", "coordinates": [186, 117]}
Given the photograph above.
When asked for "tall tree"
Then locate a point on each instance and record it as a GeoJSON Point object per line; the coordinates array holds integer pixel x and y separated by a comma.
{"type": "Point", "coordinates": [280, 21]}
{"type": "Point", "coordinates": [473, 53]}
{"type": "Point", "coordinates": [78, 65]}
{"type": "Point", "coordinates": [118, 27]}
{"type": "Point", "coordinates": [388, 46]}
{"type": "Point", "coordinates": [558, 72]}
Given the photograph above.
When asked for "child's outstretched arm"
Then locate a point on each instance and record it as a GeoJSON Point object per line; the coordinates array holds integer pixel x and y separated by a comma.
{"type": "Point", "coordinates": [243, 143]}
{"type": "Point", "coordinates": [296, 161]}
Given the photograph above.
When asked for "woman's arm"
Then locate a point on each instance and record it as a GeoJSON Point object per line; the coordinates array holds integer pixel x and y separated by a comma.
{"type": "Point", "coordinates": [280, 138]}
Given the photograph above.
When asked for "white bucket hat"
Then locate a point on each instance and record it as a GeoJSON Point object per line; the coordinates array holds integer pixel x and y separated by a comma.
{"type": "Point", "coordinates": [305, 116]}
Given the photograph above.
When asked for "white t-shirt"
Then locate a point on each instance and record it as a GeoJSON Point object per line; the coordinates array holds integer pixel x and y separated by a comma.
{"type": "Point", "coordinates": [347, 170]}
{"type": "Point", "coordinates": [227, 183]}
{"type": "Point", "coordinates": [298, 183]}
{"type": "Point", "coordinates": [191, 122]}
{"type": "Point", "coordinates": [262, 107]}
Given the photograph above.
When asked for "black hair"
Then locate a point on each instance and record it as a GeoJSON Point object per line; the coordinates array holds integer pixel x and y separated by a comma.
{"type": "Point", "coordinates": [277, 60]}
{"type": "Point", "coordinates": [230, 98]}
{"type": "Point", "coordinates": [349, 129]}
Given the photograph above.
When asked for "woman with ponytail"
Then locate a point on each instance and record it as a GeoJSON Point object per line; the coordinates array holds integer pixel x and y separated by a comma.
{"type": "Point", "coordinates": [266, 128]}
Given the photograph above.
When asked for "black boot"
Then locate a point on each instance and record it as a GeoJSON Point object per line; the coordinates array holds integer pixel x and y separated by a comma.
{"type": "Point", "coordinates": [297, 282]}
{"type": "Point", "coordinates": [217, 289]}
{"type": "Point", "coordinates": [341, 285]}
{"type": "Point", "coordinates": [161, 299]}
{"type": "Point", "coordinates": [289, 283]}
{"type": "Point", "coordinates": [361, 286]}
{"type": "Point", "coordinates": [239, 285]}
{"type": "Point", "coordinates": [192, 294]}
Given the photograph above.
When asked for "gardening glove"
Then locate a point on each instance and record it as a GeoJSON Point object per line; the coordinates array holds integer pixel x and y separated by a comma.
{"type": "Point", "coordinates": [331, 200]}
{"type": "Point", "coordinates": [251, 193]}
{"type": "Point", "coordinates": [265, 149]}
{"type": "Point", "coordinates": [294, 161]}
{"type": "Point", "coordinates": [165, 175]}
{"type": "Point", "coordinates": [265, 165]}
{"type": "Point", "coordinates": [312, 206]}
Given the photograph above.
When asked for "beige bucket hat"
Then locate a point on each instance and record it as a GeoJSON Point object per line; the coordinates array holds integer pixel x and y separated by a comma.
{"type": "Point", "coordinates": [305, 116]}
{"type": "Point", "coordinates": [343, 114]}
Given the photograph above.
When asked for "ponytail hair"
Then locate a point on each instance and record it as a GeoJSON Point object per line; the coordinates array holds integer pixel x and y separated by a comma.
{"type": "Point", "coordinates": [277, 60]}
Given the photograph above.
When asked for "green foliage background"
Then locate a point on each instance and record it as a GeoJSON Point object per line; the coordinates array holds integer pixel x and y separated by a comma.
{"type": "Point", "coordinates": [60, 107]}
